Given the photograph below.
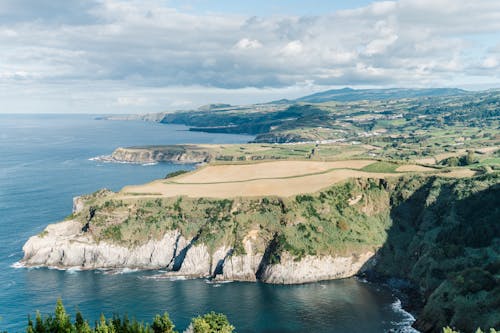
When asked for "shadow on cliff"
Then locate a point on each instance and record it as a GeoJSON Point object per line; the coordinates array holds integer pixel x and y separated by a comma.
{"type": "Point", "coordinates": [178, 259]}
{"type": "Point", "coordinates": [445, 239]}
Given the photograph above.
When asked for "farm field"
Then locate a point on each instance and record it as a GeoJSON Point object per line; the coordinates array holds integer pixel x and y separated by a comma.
{"type": "Point", "coordinates": [276, 178]}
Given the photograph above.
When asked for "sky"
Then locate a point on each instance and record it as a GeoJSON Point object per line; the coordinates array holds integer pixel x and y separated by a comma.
{"type": "Point", "coordinates": [136, 56]}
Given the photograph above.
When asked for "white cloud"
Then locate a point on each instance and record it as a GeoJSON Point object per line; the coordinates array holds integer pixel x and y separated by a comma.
{"type": "Point", "coordinates": [490, 62]}
{"type": "Point", "coordinates": [293, 48]}
{"type": "Point", "coordinates": [378, 46]}
{"type": "Point", "coordinates": [146, 45]}
{"type": "Point", "coordinates": [131, 101]}
{"type": "Point", "coordinates": [246, 44]}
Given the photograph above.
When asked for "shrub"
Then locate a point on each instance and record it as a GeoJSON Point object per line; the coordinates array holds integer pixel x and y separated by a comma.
{"type": "Point", "coordinates": [212, 323]}
{"type": "Point", "coordinates": [60, 322]}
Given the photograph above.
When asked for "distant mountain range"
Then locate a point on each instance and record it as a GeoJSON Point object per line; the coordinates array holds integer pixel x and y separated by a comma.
{"type": "Point", "coordinates": [351, 95]}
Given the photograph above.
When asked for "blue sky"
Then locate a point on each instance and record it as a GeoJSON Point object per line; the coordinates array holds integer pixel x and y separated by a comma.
{"type": "Point", "coordinates": [267, 8]}
{"type": "Point", "coordinates": [124, 56]}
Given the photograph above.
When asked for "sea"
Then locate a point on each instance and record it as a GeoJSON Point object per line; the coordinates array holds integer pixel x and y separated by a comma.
{"type": "Point", "coordinates": [46, 160]}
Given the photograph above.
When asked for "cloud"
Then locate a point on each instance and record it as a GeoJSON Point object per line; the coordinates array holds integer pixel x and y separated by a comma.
{"type": "Point", "coordinates": [246, 44]}
{"type": "Point", "coordinates": [131, 101]}
{"type": "Point", "coordinates": [148, 45]}
{"type": "Point", "coordinates": [490, 62]}
{"type": "Point", "coordinates": [293, 48]}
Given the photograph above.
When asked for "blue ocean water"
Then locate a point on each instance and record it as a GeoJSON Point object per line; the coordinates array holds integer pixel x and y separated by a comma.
{"type": "Point", "coordinates": [44, 162]}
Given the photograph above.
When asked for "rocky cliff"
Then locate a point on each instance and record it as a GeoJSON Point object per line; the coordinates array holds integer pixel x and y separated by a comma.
{"type": "Point", "coordinates": [66, 245]}
{"type": "Point", "coordinates": [176, 154]}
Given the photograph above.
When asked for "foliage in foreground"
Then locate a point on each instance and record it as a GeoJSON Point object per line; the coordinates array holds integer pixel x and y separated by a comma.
{"type": "Point", "coordinates": [450, 330]}
{"type": "Point", "coordinates": [60, 322]}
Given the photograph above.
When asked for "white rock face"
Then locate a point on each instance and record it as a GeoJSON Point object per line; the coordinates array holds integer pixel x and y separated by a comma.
{"type": "Point", "coordinates": [313, 268]}
{"type": "Point", "coordinates": [197, 262]}
{"type": "Point", "coordinates": [149, 155]}
{"type": "Point", "coordinates": [64, 245]}
{"type": "Point", "coordinates": [78, 204]}
{"type": "Point", "coordinates": [242, 267]}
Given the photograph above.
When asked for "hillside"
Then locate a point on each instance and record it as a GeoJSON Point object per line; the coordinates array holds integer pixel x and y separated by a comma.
{"type": "Point", "coordinates": [351, 95]}
{"type": "Point", "coordinates": [418, 115]}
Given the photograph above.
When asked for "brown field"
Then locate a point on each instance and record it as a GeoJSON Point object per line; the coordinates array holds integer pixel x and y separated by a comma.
{"type": "Point", "coordinates": [488, 149]}
{"type": "Point", "coordinates": [277, 169]}
{"type": "Point", "coordinates": [440, 157]}
{"type": "Point", "coordinates": [429, 160]}
{"type": "Point", "coordinates": [278, 178]}
{"type": "Point", "coordinates": [458, 173]}
{"type": "Point", "coordinates": [261, 187]}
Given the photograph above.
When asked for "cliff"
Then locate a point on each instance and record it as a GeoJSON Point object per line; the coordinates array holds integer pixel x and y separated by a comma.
{"type": "Point", "coordinates": [176, 154]}
{"type": "Point", "coordinates": [64, 245]}
{"type": "Point", "coordinates": [442, 235]}
{"type": "Point", "coordinates": [266, 239]}
{"type": "Point", "coordinates": [445, 239]}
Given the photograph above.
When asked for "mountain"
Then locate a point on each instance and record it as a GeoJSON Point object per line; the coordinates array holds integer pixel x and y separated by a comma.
{"type": "Point", "coordinates": [350, 95]}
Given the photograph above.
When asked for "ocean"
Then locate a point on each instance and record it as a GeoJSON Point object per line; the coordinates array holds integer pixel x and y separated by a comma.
{"type": "Point", "coordinates": [46, 160]}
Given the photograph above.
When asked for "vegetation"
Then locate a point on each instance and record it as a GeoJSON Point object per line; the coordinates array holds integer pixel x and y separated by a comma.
{"type": "Point", "coordinates": [211, 323]}
{"type": "Point", "coordinates": [176, 173]}
{"type": "Point", "coordinates": [445, 238]}
{"type": "Point", "coordinates": [323, 223]}
{"type": "Point", "coordinates": [464, 160]}
{"type": "Point", "coordinates": [422, 125]}
{"type": "Point", "coordinates": [381, 166]}
{"type": "Point", "coordinates": [60, 322]}
{"type": "Point", "coordinates": [449, 330]}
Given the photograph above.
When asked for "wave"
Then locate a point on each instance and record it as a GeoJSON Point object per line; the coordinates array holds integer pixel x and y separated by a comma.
{"type": "Point", "coordinates": [73, 270]}
{"type": "Point", "coordinates": [110, 159]}
{"type": "Point", "coordinates": [13, 254]}
{"type": "Point", "coordinates": [165, 277]}
{"type": "Point", "coordinates": [217, 283]}
{"type": "Point", "coordinates": [120, 271]}
{"type": "Point", "coordinates": [404, 325]}
{"type": "Point", "coordinates": [18, 264]}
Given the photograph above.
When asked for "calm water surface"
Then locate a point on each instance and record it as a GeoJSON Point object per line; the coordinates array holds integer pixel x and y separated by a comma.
{"type": "Point", "coordinates": [44, 162]}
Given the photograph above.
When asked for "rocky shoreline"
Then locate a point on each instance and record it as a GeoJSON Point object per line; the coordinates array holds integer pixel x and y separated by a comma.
{"type": "Point", "coordinates": [65, 245]}
{"type": "Point", "coordinates": [68, 245]}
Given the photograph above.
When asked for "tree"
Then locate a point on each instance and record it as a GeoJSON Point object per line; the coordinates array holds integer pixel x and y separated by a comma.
{"type": "Point", "coordinates": [61, 322]}
{"type": "Point", "coordinates": [81, 325]}
{"type": "Point", "coordinates": [30, 329]}
{"type": "Point", "coordinates": [162, 324]}
{"type": "Point", "coordinates": [470, 158]}
{"type": "Point", "coordinates": [212, 323]}
{"type": "Point", "coordinates": [39, 325]}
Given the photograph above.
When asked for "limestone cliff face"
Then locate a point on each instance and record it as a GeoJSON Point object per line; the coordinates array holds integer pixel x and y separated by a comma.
{"type": "Point", "coordinates": [65, 245]}
{"type": "Point", "coordinates": [152, 155]}
{"type": "Point", "coordinates": [313, 268]}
